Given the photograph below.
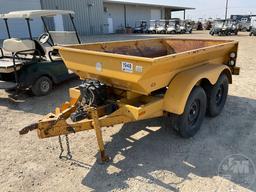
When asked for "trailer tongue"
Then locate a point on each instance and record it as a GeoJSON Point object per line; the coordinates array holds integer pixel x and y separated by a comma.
{"type": "Point", "coordinates": [134, 80]}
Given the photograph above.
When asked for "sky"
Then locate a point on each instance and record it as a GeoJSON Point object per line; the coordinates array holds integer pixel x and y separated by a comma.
{"type": "Point", "coordinates": [210, 8]}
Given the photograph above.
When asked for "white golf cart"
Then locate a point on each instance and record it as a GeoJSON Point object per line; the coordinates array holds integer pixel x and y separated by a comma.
{"type": "Point", "coordinates": [25, 64]}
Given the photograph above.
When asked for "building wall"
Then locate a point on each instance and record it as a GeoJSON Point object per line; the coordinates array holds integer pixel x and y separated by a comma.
{"type": "Point", "coordinates": [18, 27]}
{"type": "Point", "coordinates": [88, 18]}
{"type": "Point", "coordinates": [133, 14]}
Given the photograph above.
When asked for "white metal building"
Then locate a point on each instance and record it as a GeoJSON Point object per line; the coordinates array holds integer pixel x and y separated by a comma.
{"type": "Point", "coordinates": [125, 13]}
{"type": "Point", "coordinates": [92, 16]}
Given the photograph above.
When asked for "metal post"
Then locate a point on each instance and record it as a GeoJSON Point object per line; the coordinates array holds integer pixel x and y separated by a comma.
{"type": "Point", "coordinates": [7, 28]}
{"type": "Point", "coordinates": [29, 28]}
{"type": "Point", "coordinates": [226, 12]}
{"type": "Point", "coordinates": [74, 26]}
{"type": "Point", "coordinates": [97, 128]}
{"type": "Point", "coordinates": [125, 16]}
{"type": "Point", "coordinates": [184, 16]}
{"type": "Point", "coordinates": [47, 30]}
{"type": "Point", "coordinates": [15, 69]}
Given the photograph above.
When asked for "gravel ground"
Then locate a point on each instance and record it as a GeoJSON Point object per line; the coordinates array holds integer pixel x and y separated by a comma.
{"type": "Point", "coordinates": [146, 156]}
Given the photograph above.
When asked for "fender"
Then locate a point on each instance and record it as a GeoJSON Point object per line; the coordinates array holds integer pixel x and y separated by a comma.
{"type": "Point", "coordinates": [182, 84]}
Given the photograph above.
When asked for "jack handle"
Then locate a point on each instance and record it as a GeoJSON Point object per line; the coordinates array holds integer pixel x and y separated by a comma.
{"type": "Point", "coordinates": [28, 128]}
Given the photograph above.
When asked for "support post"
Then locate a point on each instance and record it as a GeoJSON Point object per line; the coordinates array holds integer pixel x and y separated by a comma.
{"type": "Point", "coordinates": [29, 29]}
{"type": "Point", "coordinates": [97, 128]}
{"type": "Point", "coordinates": [74, 27]}
{"type": "Point", "coordinates": [47, 30]}
{"type": "Point", "coordinates": [226, 12]}
{"type": "Point", "coordinates": [184, 16]}
{"type": "Point", "coordinates": [7, 28]}
{"type": "Point", "coordinates": [125, 23]}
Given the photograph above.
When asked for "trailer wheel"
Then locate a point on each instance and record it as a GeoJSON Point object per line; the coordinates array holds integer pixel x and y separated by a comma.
{"type": "Point", "coordinates": [188, 124]}
{"type": "Point", "coordinates": [42, 86]}
{"type": "Point", "coordinates": [217, 96]}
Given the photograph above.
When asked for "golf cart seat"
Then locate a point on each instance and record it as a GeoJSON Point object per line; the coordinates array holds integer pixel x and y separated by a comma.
{"type": "Point", "coordinates": [16, 45]}
{"type": "Point", "coordinates": [27, 46]}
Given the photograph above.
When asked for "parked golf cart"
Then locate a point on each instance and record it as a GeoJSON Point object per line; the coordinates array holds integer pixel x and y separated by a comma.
{"type": "Point", "coordinates": [253, 28]}
{"type": "Point", "coordinates": [185, 27]}
{"type": "Point", "coordinates": [25, 64]}
{"type": "Point", "coordinates": [208, 25]}
{"type": "Point", "coordinates": [224, 27]}
{"type": "Point", "coordinates": [173, 26]}
{"type": "Point", "coordinates": [253, 31]}
{"type": "Point", "coordinates": [199, 26]}
{"type": "Point", "coordinates": [161, 26]}
{"type": "Point", "coordinates": [152, 27]}
{"type": "Point", "coordinates": [140, 27]}
{"type": "Point", "coordinates": [177, 26]}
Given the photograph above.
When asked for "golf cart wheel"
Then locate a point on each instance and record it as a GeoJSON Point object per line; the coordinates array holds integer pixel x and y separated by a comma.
{"type": "Point", "coordinates": [251, 33]}
{"type": "Point", "coordinates": [217, 96]}
{"type": "Point", "coordinates": [219, 34]}
{"type": "Point", "coordinates": [189, 123]}
{"type": "Point", "coordinates": [42, 86]}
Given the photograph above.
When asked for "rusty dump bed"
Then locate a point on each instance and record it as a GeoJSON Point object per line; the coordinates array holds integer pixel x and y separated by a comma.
{"type": "Point", "coordinates": [143, 66]}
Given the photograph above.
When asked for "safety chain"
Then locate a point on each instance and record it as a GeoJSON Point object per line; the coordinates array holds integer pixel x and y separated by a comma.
{"type": "Point", "coordinates": [69, 155]}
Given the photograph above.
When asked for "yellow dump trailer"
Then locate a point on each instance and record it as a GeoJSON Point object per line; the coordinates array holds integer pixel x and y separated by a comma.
{"type": "Point", "coordinates": [132, 80]}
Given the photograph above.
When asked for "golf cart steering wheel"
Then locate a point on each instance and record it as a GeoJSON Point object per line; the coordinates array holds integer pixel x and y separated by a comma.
{"type": "Point", "coordinates": [44, 38]}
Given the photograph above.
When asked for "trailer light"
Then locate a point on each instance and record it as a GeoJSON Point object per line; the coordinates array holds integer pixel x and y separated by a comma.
{"type": "Point", "coordinates": [232, 63]}
{"type": "Point", "coordinates": [233, 55]}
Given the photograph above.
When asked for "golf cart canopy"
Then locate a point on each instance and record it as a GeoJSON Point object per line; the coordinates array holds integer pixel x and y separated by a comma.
{"type": "Point", "coordinates": [34, 13]}
{"type": "Point", "coordinates": [54, 37]}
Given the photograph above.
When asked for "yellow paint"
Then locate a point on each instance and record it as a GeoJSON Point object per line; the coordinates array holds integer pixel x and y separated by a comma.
{"type": "Point", "coordinates": [181, 86]}
{"type": "Point", "coordinates": [157, 72]}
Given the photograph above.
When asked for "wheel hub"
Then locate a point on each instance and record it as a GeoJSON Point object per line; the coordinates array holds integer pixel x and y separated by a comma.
{"type": "Point", "coordinates": [194, 112]}
{"type": "Point", "coordinates": [45, 86]}
{"type": "Point", "coordinates": [219, 95]}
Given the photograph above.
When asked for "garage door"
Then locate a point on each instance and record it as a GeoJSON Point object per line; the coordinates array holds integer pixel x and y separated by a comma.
{"type": "Point", "coordinates": [18, 27]}
{"type": "Point", "coordinates": [155, 14]}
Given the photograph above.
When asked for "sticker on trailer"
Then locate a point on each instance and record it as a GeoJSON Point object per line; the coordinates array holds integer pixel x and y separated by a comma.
{"type": "Point", "coordinates": [98, 66]}
{"type": "Point", "coordinates": [139, 69]}
{"type": "Point", "coordinates": [127, 67]}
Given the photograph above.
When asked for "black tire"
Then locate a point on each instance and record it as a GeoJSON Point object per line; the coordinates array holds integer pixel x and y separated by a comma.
{"type": "Point", "coordinates": [189, 123]}
{"type": "Point", "coordinates": [251, 34]}
{"type": "Point", "coordinates": [42, 86]}
{"type": "Point", "coordinates": [217, 96]}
